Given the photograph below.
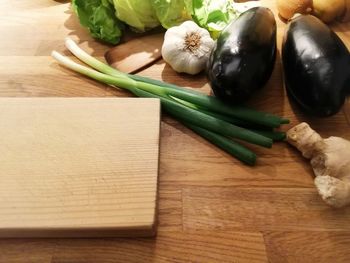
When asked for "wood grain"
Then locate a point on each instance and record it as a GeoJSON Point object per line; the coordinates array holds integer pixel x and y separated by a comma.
{"type": "Point", "coordinates": [193, 174]}
{"type": "Point", "coordinates": [308, 246]}
{"type": "Point", "coordinates": [136, 54]}
{"type": "Point", "coordinates": [231, 209]}
{"type": "Point", "coordinates": [78, 167]}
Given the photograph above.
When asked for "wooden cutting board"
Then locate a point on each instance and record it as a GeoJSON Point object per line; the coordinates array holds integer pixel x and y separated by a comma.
{"type": "Point", "coordinates": [136, 54]}
{"type": "Point", "coordinates": [78, 167]}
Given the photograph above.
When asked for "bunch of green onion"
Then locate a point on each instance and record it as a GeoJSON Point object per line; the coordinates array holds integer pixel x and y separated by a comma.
{"type": "Point", "coordinates": [219, 123]}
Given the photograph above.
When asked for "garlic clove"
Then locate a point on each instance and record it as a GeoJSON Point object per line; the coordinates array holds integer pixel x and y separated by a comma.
{"type": "Point", "coordinates": [195, 65]}
{"type": "Point", "coordinates": [189, 26]}
{"type": "Point", "coordinates": [181, 65]}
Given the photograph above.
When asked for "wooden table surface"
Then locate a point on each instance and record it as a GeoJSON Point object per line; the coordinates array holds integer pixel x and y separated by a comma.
{"type": "Point", "coordinates": [211, 207]}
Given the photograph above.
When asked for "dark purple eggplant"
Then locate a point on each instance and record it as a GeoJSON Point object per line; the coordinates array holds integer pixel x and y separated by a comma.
{"type": "Point", "coordinates": [243, 59]}
{"type": "Point", "coordinates": [316, 66]}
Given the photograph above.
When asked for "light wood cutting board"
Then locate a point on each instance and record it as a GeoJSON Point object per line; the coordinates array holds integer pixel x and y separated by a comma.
{"type": "Point", "coordinates": [78, 167]}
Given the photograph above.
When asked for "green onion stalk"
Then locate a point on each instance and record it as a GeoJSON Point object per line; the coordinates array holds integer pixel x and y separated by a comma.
{"type": "Point", "coordinates": [207, 102]}
{"type": "Point", "coordinates": [205, 115]}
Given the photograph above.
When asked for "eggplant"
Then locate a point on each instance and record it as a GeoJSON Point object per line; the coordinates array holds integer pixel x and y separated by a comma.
{"type": "Point", "coordinates": [244, 56]}
{"type": "Point", "coordinates": [316, 66]}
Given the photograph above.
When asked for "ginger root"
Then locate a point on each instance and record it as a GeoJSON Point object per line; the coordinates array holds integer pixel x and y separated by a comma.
{"type": "Point", "coordinates": [330, 161]}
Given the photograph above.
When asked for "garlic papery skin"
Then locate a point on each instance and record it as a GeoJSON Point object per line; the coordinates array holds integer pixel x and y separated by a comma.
{"type": "Point", "coordinates": [186, 48]}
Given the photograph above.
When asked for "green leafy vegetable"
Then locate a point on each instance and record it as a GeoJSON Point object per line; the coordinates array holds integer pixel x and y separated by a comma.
{"type": "Point", "coordinates": [138, 14]}
{"type": "Point", "coordinates": [170, 12]}
{"type": "Point", "coordinates": [105, 18]}
{"type": "Point", "coordinates": [98, 16]}
{"type": "Point", "coordinates": [213, 15]}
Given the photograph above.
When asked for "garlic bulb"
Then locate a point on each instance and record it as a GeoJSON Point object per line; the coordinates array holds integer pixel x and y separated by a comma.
{"type": "Point", "coordinates": [187, 47]}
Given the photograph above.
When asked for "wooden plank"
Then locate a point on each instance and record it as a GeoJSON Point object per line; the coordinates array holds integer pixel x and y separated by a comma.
{"type": "Point", "coordinates": [78, 167]}
{"type": "Point", "coordinates": [216, 168]}
{"type": "Point", "coordinates": [169, 208]}
{"type": "Point", "coordinates": [308, 246]}
{"type": "Point", "coordinates": [262, 209]}
{"type": "Point", "coordinates": [28, 29]}
{"type": "Point", "coordinates": [26, 250]}
{"type": "Point", "coordinates": [42, 76]}
{"type": "Point", "coordinates": [169, 247]}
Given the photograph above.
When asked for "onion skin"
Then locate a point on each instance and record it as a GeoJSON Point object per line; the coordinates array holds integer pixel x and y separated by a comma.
{"type": "Point", "coordinates": [288, 8]}
{"type": "Point", "coordinates": [346, 15]}
{"type": "Point", "coordinates": [328, 10]}
{"type": "Point", "coordinates": [316, 66]}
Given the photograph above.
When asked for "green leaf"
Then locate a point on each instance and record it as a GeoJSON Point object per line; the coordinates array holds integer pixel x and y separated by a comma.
{"type": "Point", "coordinates": [170, 12]}
{"type": "Point", "coordinates": [99, 17]}
{"type": "Point", "coordinates": [213, 15]}
{"type": "Point", "coordinates": [139, 14]}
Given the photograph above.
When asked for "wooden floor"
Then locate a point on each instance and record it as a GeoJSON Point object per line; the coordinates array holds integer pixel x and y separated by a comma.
{"type": "Point", "coordinates": [211, 207]}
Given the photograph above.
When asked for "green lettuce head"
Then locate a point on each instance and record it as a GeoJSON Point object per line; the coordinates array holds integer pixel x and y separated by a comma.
{"type": "Point", "coordinates": [104, 18]}
{"type": "Point", "coordinates": [99, 17]}
{"type": "Point", "coordinates": [213, 15]}
{"type": "Point", "coordinates": [139, 14]}
{"type": "Point", "coordinates": [171, 12]}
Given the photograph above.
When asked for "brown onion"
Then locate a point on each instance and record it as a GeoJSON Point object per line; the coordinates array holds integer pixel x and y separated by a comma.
{"type": "Point", "coordinates": [288, 8]}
